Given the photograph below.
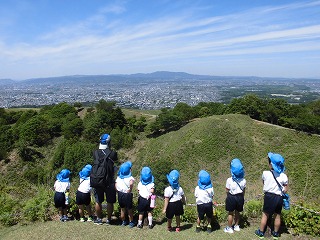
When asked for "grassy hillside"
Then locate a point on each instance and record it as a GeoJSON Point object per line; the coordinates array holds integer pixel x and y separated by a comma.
{"type": "Point", "coordinates": [211, 143]}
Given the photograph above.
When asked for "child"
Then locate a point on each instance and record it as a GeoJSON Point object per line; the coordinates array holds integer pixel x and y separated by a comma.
{"type": "Point", "coordinates": [124, 185]}
{"type": "Point", "coordinates": [83, 194]}
{"type": "Point", "coordinates": [273, 194]}
{"type": "Point", "coordinates": [61, 187]}
{"type": "Point", "coordinates": [146, 190]}
{"type": "Point", "coordinates": [235, 188]}
{"type": "Point", "coordinates": [204, 196]}
{"type": "Point", "coordinates": [174, 200]}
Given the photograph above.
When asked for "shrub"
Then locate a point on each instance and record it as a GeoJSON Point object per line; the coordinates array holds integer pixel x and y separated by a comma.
{"type": "Point", "coordinates": [253, 209]}
{"type": "Point", "coordinates": [190, 214]}
{"type": "Point", "coordinates": [9, 210]}
{"type": "Point", "coordinates": [40, 207]}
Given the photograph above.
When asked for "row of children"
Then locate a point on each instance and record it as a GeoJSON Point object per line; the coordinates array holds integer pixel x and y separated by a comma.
{"type": "Point", "coordinates": [174, 197]}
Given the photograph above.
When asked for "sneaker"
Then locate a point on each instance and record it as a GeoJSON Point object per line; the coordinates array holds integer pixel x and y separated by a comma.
{"type": "Point", "coordinates": [178, 229]}
{"type": "Point", "coordinates": [124, 223]}
{"type": "Point", "coordinates": [131, 224]}
{"type": "Point", "coordinates": [198, 229]}
{"type": "Point", "coordinates": [108, 222]}
{"type": "Point", "coordinates": [228, 230]}
{"type": "Point", "coordinates": [236, 228]}
{"type": "Point", "coordinates": [98, 221]}
{"type": "Point", "coordinates": [169, 229]}
{"type": "Point", "coordinates": [275, 235]}
{"type": "Point", "coordinates": [151, 226]}
{"type": "Point", "coordinates": [90, 219]}
{"type": "Point", "coordinates": [62, 219]}
{"type": "Point", "coordinates": [65, 218]}
{"type": "Point", "coordinates": [209, 229]}
{"type": "Point", "coordinates": [82, 219]}
{"type": "Point", "coordinates": [259, 234]}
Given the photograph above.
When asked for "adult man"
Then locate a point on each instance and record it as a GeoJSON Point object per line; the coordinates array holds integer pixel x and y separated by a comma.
{"type": "Point", "coordinates": [108, 190]}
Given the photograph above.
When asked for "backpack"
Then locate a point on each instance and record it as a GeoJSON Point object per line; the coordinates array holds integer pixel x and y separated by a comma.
{"type": "Point", "coordinates": [102, 171]}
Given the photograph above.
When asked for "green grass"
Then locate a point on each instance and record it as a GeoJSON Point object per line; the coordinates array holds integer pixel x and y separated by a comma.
{"type": "Point", "coordinates": [78, 230]}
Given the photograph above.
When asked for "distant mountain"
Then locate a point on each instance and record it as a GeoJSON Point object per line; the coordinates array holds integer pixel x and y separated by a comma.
{"type": "Point", "coordinates": [6, 81]}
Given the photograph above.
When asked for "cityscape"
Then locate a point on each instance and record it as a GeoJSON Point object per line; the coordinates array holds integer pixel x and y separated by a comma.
{"type": "Point", "coordinates": [151, 91]}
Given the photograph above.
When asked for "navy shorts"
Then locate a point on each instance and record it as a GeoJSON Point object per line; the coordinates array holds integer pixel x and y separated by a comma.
{"type": "Point", "coordinates": [109, 193]}
{"type": "Point", "coordinates": [272, 203]}
{"type": "Point", "coordinates": [174, 209]}
{"type": "Point", "coordinates": [125, 200]}
{"type": "Point", "coordinates": [144, 205]}
{"type": "Point", "coordinates": [234, 202]}
{"type": "Point", "coordinates": [83, 198]}
{"type": "Point", "coordinates": [60, 200]}
{"type": "Point", "coordinates": [205, 209]}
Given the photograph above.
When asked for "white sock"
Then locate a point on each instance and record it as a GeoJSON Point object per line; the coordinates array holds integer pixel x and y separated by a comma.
{"type": "Point", "coordinates": [150, 220]}
{"type": "Point", "coordinates": [139, 222]}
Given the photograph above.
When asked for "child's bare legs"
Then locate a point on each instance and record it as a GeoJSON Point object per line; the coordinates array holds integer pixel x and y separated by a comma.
{"type": "Point", "coordinates": [123, 214]}
{"type": "Point", "coordinates": [169, 223]}
{"type": "Point", "coordinates": [81, 212]}
{"type": "Point", "coordinates": [230, 219]}
{"type": "Point", "coordinates": [236, 217]}
{"type": "Point", "coordinates": [88, 207]}
{"type": "Point", "coordinates": [264, 220]}
{"type": "Point", "coordinates": [198, 221]}
{"type": "Point", "coordinates": [130, 214]}
{"type": "Point", "coordinates": [178, 221]}
{"type": "Point", "coordinates": [277, 222]}
{"type": "Point", "coordinates": [209, 221]}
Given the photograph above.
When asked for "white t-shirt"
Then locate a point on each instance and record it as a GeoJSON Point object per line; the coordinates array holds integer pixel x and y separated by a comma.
{"type": "Point", "coordinates": [176, 195]}
{"type": "Point", "coordinates": [203, 196]}
{"type": "Point", "coordinates": [145, 190]}
{"type": "Point", "coordinates": [84, 186]}
{"type": "Point", "coordinates": [234, 187]}
{"type": "Point", "coordinates": [123, 185]}
{"type": "Point", "coordinates": [269, 183]}
{"type": "Point", "coordinates": [61, 186]}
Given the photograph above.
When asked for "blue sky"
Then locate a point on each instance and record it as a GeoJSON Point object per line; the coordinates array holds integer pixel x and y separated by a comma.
{"type": "Point", "coordinates": [274, 38]}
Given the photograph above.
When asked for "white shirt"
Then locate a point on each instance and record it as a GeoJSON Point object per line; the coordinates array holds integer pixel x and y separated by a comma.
{"type": "Point", "coordinates": [61, 186]}
{"type": "Point", "coordinates": [145, 190]}
{"type": "Point", "coordinates": [269, 183]}
{"type": "Point", "coordinates": [173, 195]}
{"type": "Point", "coordinates": [123, 185]}
{"type": "Point", "coordinates": [203, 195]}
{"type": "Point", "coordinates": [234, 187]}
{"type": "Point", "coordinates": [84, 186]}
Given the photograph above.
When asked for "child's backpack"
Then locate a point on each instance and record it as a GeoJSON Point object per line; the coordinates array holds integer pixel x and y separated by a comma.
{"type": "Point", "coordinates": [102, 171]}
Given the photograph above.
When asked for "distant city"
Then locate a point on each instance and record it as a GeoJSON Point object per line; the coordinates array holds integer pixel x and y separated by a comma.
{"type": "Point", "coordinates": [151, 91]}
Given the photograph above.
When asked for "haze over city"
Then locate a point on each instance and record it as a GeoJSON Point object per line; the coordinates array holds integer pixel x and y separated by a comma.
{"type": "Point", "coordinates": [223, 38]}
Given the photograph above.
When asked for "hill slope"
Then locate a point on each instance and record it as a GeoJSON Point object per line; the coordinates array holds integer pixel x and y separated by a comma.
{"type": "Point", "coordinates": [211, 143]}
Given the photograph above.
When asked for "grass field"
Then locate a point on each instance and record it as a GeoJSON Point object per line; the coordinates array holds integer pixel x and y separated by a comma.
{"type": "Point", "coordinates": [78, 230]}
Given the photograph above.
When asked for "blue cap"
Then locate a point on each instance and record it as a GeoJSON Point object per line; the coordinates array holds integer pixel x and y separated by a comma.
{"type": "Point", "coordinates": [173, 179]}
{"type": "Point", "coordinates": [236, 169]}
{"type": "Point", "coordinates": [277, 162]}
{"type": "Point", "coordinates": [125, 170]}
{"type": "Point", "coordinates": [105, 139]}
{"type": "Point", "coordinates": [204, 181]}
{"type": "Point", "coordinates": [85, 172]}
{"type": "Point", "coordinates": [146, 176]}
{"type": "Point", "coordinates": [63, 176]}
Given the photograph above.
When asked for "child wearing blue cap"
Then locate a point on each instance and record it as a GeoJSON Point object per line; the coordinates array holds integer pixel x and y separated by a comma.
{"type": "Point", "coordinates": [83, 195]}
{"type": "Point", "coordinates": [174, 200]}
{"type": "Point", "coordinates": [146, 190]}
{"type": "Point", "coordinates": [235, 188]}
{"type": "Point", "coordinates": [124, 185]}
{"type": "Point", "coordinates": [204, 196]}
{"type": "Point", "coordinates": [61, 187]}
{"type": "Point", "coordinates": [273, 201]}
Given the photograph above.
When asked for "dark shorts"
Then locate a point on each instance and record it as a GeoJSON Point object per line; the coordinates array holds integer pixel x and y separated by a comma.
{"type": "Point", "coordinates": [109, 193]}
{"type": "Point", "coordinates": [144, 205]}
{"type": "Point", "coordinates": [125, 200]}
{"type": "Point", "coordinates": [234, 202]}
{"type": "Point", "coordinates": [272, 203]}
{"type": "Point", "coordinates": [205, 209]}
{"type": "Point", "coordinates": [83, 198]}
{"type": "Point", "coordinates": [174, 209]}
{"type": "Point", "coordinates": [60, 200]}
